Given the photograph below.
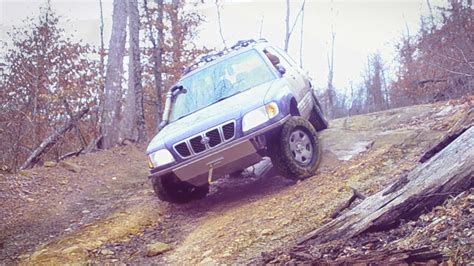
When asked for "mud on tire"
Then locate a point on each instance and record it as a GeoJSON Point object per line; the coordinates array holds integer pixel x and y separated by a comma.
{"type": "Point", "coordinates": [295, 151]}
{"type": "Point", "coordinates": [169, 188]}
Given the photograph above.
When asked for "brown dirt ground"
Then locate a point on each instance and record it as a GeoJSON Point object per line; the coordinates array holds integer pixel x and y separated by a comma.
{"type": "Point", "coordinates": [107, 212]}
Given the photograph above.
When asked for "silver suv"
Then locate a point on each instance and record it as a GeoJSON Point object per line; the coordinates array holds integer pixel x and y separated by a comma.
{"type": "Point", "coordinates": [228, 111]}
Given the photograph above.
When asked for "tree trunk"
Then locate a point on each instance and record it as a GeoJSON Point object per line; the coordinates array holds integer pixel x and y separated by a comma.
{"type": "Point", "coordinates": [133, 122]}
{"type": "Point", "coordinates": [100, 97]}
{"type": "Point", "coordinates": [137, 68]}
{"type": "Point", "coordinates": [219, 22]}
{"type": "Point", "coordinates": [47, 143]}
{"type": "Point", "coordinates": [157, 45]}
{"type": "Point", "coordinates": [330, 92]}
{"type": "Point", "coordinates": [175, 29]}
{"type": "Point", "coordinates": [113, 79]}
{"type": "Point", "coordinates": [301, 34]}
{"type": "Point", "coordinates": [287, 25]}
{"type": "Point", "coordinates": [449, 172]}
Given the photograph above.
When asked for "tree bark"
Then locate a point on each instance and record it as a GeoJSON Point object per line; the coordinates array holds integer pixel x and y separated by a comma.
{"type": "Point", "coordinates": [449, 172]}
{"type": "Point", "coordinates": [330, 92]}
{"type": "Point", "coordinates": [157, 57]}
{"type": "Point", "coordinates": [113, 79]}
{"type": "Point", "coordinates": [137, 69]}
{"type": "Point", "coordinates": [301, 34]}
{"type": "Point", "coordinates": [287, 25]}
{"type": "Point", "coordinates": [100, 97]}
{"type": "Point", "coordinates": [175, 30]}
{"type": "Point", "coordinates": [133, 123]}
{"type": "Point", "coordinates": [47, 143]}
{"type": "Point", "coordinates": [220, 23]}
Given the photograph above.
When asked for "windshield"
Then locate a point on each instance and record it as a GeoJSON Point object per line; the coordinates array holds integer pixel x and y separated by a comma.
{"type": "Point", "coordinates": [216, 82]}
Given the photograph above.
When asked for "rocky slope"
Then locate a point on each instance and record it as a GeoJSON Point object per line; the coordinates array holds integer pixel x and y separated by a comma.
{"type": "Point", "coordinates": [106, 211]}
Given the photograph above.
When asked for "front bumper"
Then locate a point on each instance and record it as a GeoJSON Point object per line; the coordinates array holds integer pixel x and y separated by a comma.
{"type": "Point", "coordinates": [233, 156]}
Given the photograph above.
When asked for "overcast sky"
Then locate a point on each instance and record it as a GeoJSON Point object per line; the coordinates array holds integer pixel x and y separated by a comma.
{"type": "Point", "coordinates": [361, 27]}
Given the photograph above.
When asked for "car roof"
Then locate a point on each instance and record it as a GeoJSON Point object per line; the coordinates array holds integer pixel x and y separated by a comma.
{"type": "Point", "coordinates": [229, 52]}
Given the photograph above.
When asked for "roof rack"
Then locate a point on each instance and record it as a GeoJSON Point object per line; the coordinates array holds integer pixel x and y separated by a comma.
{"type": "Point", "coordinates": [211, 57]}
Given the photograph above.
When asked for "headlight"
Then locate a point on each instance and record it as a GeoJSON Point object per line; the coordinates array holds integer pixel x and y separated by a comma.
{"type": "Point", "coordinates": [259, 116]}
{"type": "Point", "coordinates": [160, 158]}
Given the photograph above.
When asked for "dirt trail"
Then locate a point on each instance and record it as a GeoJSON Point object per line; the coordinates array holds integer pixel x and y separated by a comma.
{"type": "Point", "coordinates": [111, 213]}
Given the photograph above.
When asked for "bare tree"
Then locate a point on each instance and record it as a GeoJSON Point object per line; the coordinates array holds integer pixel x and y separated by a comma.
{"type": "Point", "coordinates": [157, 54]}
{"type": "Point", "coordinates": [220, 22]}
{"type": "Point", "coordinates": [261, 26]}
{"type": "Point", "coordinates": [287, 25]}
{"type": "Point", "coordinates": [288, 29]}
{"type": "Point", "coordinates": [175, 29]}
{"type": "Point", "coordinates": [330, 92]}
{"type": "Point", "coordinates": [133, 122]}
{"type": "Point", "coordinates": [301, 34]}
{"type": "Point", "coordinates": [100, 96]}
{"type": "Point", "coordinates": [113, 78]}
{"type": "Point", "coordinates": [102, 48]}
{"type": "Point", "coordinates": [375, 84]}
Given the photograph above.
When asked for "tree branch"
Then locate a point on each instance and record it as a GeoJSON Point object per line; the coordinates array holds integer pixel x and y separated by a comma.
{"type": "Point", "coordinates": [49, 142]}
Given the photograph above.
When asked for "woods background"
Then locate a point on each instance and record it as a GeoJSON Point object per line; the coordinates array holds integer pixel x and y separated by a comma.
{"type": "Point", "coordinates": [60, 97]}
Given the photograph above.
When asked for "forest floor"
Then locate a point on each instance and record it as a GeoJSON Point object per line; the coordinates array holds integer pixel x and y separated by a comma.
{"type": "Point", "coordinates": [100, 207]}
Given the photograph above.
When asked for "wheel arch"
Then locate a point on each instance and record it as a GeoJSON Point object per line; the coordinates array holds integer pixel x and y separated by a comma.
{"type": "Point", "coordinates": [293, 107]}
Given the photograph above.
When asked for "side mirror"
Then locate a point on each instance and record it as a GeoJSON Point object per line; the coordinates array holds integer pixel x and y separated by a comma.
{"type": "Point", "coordinates": [176, 90]}
{"type": "Point", "coordinates": [281, 70]}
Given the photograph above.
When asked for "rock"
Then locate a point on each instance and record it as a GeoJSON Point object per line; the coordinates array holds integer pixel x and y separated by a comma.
{"type": "Point", "coordinates": [208, 261]}
{"type": "Point", "coordinates": [207, 253]}
{"type": "Point", "coordinates": [266, 232]}
{"type": "Point", "coordinates": [49, 164]}
{"type": "Point", "coordinates": [85, 211]}
{"type": "Point", "coordinates": [30, 200]}
{"type": "Point", "coordinates": [157, 248]}
{"type": "Point", "coordinates": [70, 166]}
{"type": "Point", "coordinates": [107, 252]}
{"type": "Point", "coordinates": [23, 256]}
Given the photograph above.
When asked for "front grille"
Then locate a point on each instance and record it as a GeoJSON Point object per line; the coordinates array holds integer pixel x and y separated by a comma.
{"type": "Point", "coordinates": [229, 130]}
{"type": "Point", "coordinates": [206, 140]}
{"type": "Point", "coordinates": [197, 145]}
{"type": "Point", "coordinates": [183, 149]}
{"type": "Point", "coordinates": [214, 137]}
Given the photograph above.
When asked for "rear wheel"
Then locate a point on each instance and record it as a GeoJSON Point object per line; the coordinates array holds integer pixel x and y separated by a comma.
{"type": "Point", "coordinates": [169, 188]}
{"type": "Point", "coordinates": [296, 151]}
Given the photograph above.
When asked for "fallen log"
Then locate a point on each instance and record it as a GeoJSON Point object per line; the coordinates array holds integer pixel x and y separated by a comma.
{"type": "Point", "coordinates": [52, 139]}
{"type": "Point", "coordinates": [71, 154]}
{"type": "Point", "coordinates": [448, 172]}
{"type": "Point", "coordinates": [355, 195]}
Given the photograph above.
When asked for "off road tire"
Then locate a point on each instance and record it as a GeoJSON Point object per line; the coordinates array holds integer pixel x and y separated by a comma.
{"type": "Point", "coordinates": [291, 162]}
{"type": "Point", "coordinates": [169, 188]}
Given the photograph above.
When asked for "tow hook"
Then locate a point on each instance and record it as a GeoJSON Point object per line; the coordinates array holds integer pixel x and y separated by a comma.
{"type": "Point", "coordinates": [211, 166]}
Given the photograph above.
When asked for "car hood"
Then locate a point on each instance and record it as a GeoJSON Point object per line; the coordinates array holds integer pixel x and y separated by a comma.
{"type": "Point", "coordinates": [232, 108]}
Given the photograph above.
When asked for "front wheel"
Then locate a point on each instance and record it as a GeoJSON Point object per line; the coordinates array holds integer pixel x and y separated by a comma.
{"type": "Point", "coordinates": [296, 151]}
{"type": "Point", "coordinates": [169, 188]}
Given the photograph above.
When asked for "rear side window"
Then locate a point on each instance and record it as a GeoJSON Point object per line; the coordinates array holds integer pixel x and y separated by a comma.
{"type": "Point", "coordinates": [283, 61]}
{"type": "Point", "coordinates": [289, 60]}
